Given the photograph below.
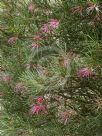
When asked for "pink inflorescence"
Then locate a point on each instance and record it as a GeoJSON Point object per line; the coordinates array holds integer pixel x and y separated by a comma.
{"type": "Point", "coordinates": [54, 23]}
{"type": "Point", "coordinates": [85, 72]}
{"type": "Point", "coordinates": [34, 45]}
{"type": "Point", "coordinates": [45, 28]}
{"type": "Point", "coordinates": [40, 99]}
{"type": "Point", "coordinates": [50, 26]}
{"type": "Point", "coordinates": [39, 107]}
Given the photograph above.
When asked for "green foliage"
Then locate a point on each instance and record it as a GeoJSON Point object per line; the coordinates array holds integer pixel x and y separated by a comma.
{"type": "Point", "coordinates": [51, 69]}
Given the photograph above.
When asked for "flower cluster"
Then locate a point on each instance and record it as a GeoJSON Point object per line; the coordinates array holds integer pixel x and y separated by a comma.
{"type": "Point", "coordinates": [34, 45]}
{"type": "Point", "coordinates": [50, 26]}
{"type": "Point", "coordinates": [40, 107]}
{"type": "Point", "coordinates": [36, 42]}
{"type": "Point", "coordinates": [85, 72]}
{"type": "Point", "coordinates": [46, 28]}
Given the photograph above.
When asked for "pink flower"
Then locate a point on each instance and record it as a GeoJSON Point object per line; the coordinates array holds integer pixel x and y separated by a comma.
{"type": "Point", "coordinates": [34, 45]}
{"type": "Point", "coordinates": [38, 109]}
{"type": "Point", "coordinates": [85, 72]}
{"type": "Point", "coordinates": [50, 26]}
{"type": "Point", "coordinates": [45, 28]}
{"type": "Point", "coordinates": [12, 40]}
{"type": "Point", "coordinates": [40, 99]}
{"type": "Point", "coordinates": [6, 78]}
{"type": "Point", "coordinates": [54, 23]}
{"type": "Point", "coordinates": [31, 7]}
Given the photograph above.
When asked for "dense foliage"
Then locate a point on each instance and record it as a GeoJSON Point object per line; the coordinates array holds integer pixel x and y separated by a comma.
{"type": "Point", "coordinates": [51, 67]}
